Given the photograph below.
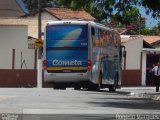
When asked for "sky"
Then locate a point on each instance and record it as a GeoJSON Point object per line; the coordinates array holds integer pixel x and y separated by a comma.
{"type": "Point", "coordinates": [150, 21]}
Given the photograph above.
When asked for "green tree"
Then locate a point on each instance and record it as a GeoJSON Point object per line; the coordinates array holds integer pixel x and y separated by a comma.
{"type": "Point", "coordinates": [130, 16]}
{"type": "Point", "coordinates": [154, 31]}
{"type": "Point", "coordinates": [131, 19]}
{"type": "Point", "coordinates": [75, 4]}
{"type": "Point", "coordinates": [104, 9]}
{"type": "Point", "coordinates": [145, 31]}
{"type": "Point", "coordinates": [152, 6]}
{"type": "Point", "coordinates": [33, 4]}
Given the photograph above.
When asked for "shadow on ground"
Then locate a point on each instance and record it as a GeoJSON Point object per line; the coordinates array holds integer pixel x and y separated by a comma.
{"type": "Point", "coordinates": [130, 103]}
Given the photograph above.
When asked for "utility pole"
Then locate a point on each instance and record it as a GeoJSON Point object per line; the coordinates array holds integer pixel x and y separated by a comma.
{"type": "Point", "coordinates": [139, 23]}
{"type": "Point", "coordinates": [39, 54]}
{"type": "Point", "coordinates": [158, 22]}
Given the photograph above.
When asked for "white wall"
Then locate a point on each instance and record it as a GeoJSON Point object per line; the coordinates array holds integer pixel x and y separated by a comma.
{"type": "Point", "coordinates": [15, 37]}
{"type": "Point", "coordinates": [133, 56]}
{"type": "Point", "coordinates": [144, 58]}
{"type": "Point", "coordinates": [32, 22]}
{"type": "Point", "coordinates": [44, 16]}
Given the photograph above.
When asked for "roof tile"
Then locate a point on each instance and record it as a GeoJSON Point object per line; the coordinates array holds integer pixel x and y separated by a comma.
{"type": "Point", "coordinates": [148, 39]}
{"type": "Point", "coordinates": [64, 13]}
{"type": "Point", "coordinates": [151, 39]}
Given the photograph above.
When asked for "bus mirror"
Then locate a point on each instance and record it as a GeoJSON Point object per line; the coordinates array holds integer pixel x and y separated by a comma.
{"type": "Point", "coordinates": [124, 53]}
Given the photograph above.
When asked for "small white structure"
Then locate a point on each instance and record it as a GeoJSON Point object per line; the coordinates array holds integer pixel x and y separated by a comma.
{"type": "Point", "coordinates": [14, 51]}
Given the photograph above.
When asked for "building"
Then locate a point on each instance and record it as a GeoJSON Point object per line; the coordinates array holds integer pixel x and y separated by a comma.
{"type": "Point", "coordinates": [17, 65]}
{"type": "Point", "coordinates": [53, 14]}
{"type": "Point", "coordinates": [12, 8]}
{"type": "Point", "coordinates": [142, 53]}
{"type": "Point", "coordinates": [17, 48]}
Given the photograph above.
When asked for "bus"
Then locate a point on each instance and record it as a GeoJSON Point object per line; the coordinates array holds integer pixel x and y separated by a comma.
{"type": "Point", "coordinates": [81, 54]}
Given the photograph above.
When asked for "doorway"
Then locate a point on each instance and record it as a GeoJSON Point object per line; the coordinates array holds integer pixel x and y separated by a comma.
{"type": "Point", "coordinates": [151, 60]}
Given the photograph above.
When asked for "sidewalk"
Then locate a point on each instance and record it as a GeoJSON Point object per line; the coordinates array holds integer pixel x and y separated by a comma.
{"type": "Point", "coordinates": [144, 91]}
{"type": "Point", "coordinates": [153, 96]}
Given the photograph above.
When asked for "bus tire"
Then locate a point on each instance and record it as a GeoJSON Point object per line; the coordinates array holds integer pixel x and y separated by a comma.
{"type": "Point", "coordinates": [58, 86]}
{"type": "Point", "coordinates": [77, 87]}
{"type": "Point", "coordinates": [112, 88]}
{"type": "Point", "coordinates": [100, 81]}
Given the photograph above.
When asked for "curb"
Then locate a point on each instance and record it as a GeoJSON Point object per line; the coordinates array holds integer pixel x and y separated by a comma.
{"type": "Point", "coordinates": [150, 96]}
{"type": "Point", "coordinates": [137, 88]}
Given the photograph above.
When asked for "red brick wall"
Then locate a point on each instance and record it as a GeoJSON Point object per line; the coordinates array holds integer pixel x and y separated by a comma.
{"type": "Point", "coordinates": [131, 78]}
{"type": "Point", "coordinates": [18, 78]}
{"type": "Point", "coordinates": [28, 78]}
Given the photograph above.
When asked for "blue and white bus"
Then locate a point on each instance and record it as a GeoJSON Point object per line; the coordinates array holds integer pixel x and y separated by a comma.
{"type": "Point", "coordinates": [81, 54]}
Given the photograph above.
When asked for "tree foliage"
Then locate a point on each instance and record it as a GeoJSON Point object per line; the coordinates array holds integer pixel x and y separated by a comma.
{"type": "Point", "coordinates": [75, 4]}
{"type": "Point", "coordinates": [33, 4]}
{"type": "Point", "coordinates": [145, 31]}
{"type": "Point", "coordinates": [104, 9]}
{"type": "Point", "coordinates": [152, 6]}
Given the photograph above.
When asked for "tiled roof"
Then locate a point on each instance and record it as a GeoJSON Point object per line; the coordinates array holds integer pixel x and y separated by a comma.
{"type": "Point", "coordinates": [10, 8]}
{"type": "Point", "coordinates": [151, 39]}
{"type": "Point", "coordinates": [127, 38]}
{"type": "Point", "coordinates": [120, 30]}
{"type": "Point", "coordinates": [148, 39]}
{"type": "Point", "coordinates": [64, 13]}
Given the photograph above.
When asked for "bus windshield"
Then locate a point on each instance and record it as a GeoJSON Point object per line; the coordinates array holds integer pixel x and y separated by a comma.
{"type": "Point", "coordinates": [66, 32]}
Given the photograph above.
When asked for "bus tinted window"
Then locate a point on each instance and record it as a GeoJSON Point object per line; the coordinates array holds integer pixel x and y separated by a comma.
{"type": "Point", "coordinates": [66, 32]}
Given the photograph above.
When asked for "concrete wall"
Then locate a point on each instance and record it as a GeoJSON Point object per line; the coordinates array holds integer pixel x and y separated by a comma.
{"type": "Point", "coordinates": [15, 37]}
{"type": "Point", "coordinates": [44, 16]}
{"type": "Point", "coordinates": [14, 44]}
{"type": "Point", "coordinates": [133, 56]}
{"type": "Point", "coordinates": [132, 75]}
{"type": "Point", "coordinates": [34, 19]}
{"type": "Point", "coordinates": [31, 22]}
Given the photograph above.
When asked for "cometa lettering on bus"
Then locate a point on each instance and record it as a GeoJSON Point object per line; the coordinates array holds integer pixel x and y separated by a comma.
{"type": "Point", "coordinates": [65, 63]}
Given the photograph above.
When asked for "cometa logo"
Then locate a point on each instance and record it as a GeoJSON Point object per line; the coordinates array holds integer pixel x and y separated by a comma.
{"type": "Point", "coordinates": [66, 63]}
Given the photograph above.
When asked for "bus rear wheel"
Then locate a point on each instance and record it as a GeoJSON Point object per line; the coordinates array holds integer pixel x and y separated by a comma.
{"type": "Point", "coordinates": [58, 86]}
{"type": "Point", "coordinates": [112, 88]}
{"type": "Point", "coordinates": [77, 87]}
{"type": "Point", "coordinates": [98, 86]}
{"type": "Point", "coordinates": [100, 81]}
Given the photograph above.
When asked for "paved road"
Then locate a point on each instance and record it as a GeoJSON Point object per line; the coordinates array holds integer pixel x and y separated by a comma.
{"type": "Point", "coordinates": [87, 104]}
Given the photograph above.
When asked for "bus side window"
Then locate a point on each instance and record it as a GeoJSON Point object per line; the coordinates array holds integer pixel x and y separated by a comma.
{"type": "Point", "coordinates": [93, 31]}
{"type": "Point", "coordinates": [93, 36]}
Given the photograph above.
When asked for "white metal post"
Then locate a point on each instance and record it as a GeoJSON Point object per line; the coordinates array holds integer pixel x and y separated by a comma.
{"type": "Point", "coordinates": [39, 60]}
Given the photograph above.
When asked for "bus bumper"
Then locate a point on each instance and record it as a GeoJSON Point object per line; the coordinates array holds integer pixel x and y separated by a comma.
{"type": "Point", "coordinates": [66, 77]}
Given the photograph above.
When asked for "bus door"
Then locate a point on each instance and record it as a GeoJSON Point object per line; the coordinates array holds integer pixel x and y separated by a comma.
{"type": "Point", "coordinates": [66, 48]}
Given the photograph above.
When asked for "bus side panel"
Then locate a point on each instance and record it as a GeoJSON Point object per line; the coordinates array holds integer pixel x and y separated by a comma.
{"type": "Point", "coordinates": [95, 64]}
{"type": "Point", "coordinates": [109, 70]}
{"type": "Point", "coordinates": [110, 60]}
{"type": "Point", "coordinates": [105, 56]}
{"type": "Point", "coordinates": [94, 53]}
